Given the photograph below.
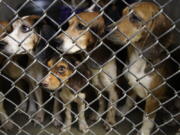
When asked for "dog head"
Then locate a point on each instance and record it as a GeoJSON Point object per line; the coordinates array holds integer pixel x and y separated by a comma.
{"type": "Point", "coordinates": [77, 36]}
{"type": "Point", "coordinates": [23, 37]}
{"type": "Point", "coordinates": [63, 72]}
{"type": "Point", "coordinates": [58, 74]}
{"type": "Point", "coordinates": [142, 24]}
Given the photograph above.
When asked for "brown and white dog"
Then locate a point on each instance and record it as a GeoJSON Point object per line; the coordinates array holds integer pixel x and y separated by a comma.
{"type": "Point", "coordinates": [71, 84]}
{"type": "Point", "coordinates": [3, 116]}
{"type": "Point", "coordinates": [147, 32]}
{"type": "Point", "coordinates": [23, 39]}
{"type": "Point", "coordinates": [76, 38]}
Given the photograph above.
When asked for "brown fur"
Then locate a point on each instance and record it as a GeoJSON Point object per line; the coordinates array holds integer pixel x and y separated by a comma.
{"type": "Point", "coordinates": [144, 20]}
{"type": "Point", "coordinates": [13, 69]}
{"type": "Point", "coordinates": [157, 24]}
{"type": "Point", "coordinates": [7, 125]}
{"type": "Point", "coordinates": [75, 39]}
{"type": "Point", "coordinates": [62, 73]}
{"type": "Point", "coordinates": [83, 37]}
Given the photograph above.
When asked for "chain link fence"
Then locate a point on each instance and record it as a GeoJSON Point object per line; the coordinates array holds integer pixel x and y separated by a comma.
{"type": "Point", "coordinates": [65, 69]}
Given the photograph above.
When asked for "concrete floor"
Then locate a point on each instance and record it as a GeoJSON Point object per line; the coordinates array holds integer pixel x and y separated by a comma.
{"type": "Point", "coordinates": [96, 128]}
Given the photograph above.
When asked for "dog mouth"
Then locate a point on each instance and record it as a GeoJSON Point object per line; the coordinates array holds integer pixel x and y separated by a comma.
{"type": "Point", "coordinates": [24, 51]}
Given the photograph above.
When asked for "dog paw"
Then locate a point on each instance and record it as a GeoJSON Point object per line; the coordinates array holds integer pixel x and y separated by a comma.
{"type": "Point", "coordinates": [8, 126]}
{"type": "Point", "coordinates": [122, 111]}
{"type": "Point", "coordinates": [57, 121]}
{"type": "Point", "coordinates": [65, 128]}
{"type": "Point", "coordinates": [83, 126]}
{"type": "Point", "coordinates": [40, 116]}
{"type": "Point", "coordinates": [144, 132]}
{"type": "Point", "coordinates": [94, 117]}
{"type": "Point", "coordinates": [109, 123]}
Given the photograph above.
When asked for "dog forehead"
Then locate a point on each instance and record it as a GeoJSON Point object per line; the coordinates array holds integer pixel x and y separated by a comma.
{"type": "Point", "coordinates": [145, 9]}
{"type": "Point", "coordinates": [30, 19]}
{"type": "Point", "coordinates": [62, 63]}
{"type": "Point", "coordinates": [85, 17]}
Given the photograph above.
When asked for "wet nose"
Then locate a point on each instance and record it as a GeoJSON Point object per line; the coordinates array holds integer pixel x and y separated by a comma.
{"type": "Point", "coordinates": [58, 42]}
{"type": "Point", "coordinates": [44, 84]}
{"type": "Point", "coordinates": [2, 45]}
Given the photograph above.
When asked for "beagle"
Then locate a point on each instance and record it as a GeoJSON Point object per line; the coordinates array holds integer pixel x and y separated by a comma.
{"type": "Point", "coordinates": [78, 38]}
{"type": "Point", "coordinates": [146, 32]}
{"type": "Point", "coordinates": [112, 9]}
{"type": "Point", "coordinates": [72, 83]}
{"type": "Point", "coordinates": [23, 40]}
{"type": "Point", "coordinates": [7, 125]}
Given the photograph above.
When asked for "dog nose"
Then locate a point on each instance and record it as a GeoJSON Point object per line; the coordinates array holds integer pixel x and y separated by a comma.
{"type": "Point", "coordinates": [2, 45]}
{"type": "Point", "coordinates": [44, 84]}
{"type": "Point", "coordinates": [58, 42]}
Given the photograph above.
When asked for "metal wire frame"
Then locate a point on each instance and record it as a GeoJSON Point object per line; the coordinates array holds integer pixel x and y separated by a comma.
{"type": "Point", "coordinates": [100, 42]}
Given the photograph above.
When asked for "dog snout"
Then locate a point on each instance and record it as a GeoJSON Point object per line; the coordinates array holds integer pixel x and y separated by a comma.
{"type": "Point", "coordinates": [2, 44]}
{"type": "Point", "coordinates": [44, 84]}
{"type": "Point", "coordinates": [58, 42]}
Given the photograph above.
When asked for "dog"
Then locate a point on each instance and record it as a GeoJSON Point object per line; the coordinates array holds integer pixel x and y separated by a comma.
{"type": "Point", "coordinates": [63, 75]}
{"type": "Point", "coordinates": [5, 121]}
{"type": "Point", "coordinates": [25, 39]}
{"type": "Point", "coordinates": [146, 32]}
{"type": "Point", "coordinates": [78, 39]}
{"type": "Point", "coordinates": [112, 9]}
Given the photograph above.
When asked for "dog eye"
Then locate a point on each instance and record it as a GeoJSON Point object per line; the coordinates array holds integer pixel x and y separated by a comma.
{"type": "Point", "coordinates": [25, 28]}
{"type": "Point", "coordinates": [81, 26]}
{"type": "Point", "coordinates": [134, 18]}
{"type": "Point", "coordinates": [65, 26]}
{"type": "Point", "coordinates": [61, 69]}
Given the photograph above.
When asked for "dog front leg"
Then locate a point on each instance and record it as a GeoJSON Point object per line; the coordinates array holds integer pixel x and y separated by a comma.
{"type": "Point", "coordinates": [56, 108]}
{"type": "Point", "coordinates": [7, 125]}
{"type": "Point", "coordinates": [81, 109]}
{"type": "Point", "coordinates": [68, 118]}
{"type": "Point", "coordinates": [101, 109]}
{"type": "Point", "coordinates": [111, 115]}
{"type": "Point", "coordinates": [66, 96]}
{"type": "Point", "coordinates": [24, 102]}
{"type": "Point", "coordinates": [128, 104]}
{"type": "Point", "coordinates": [148, 120]}
{"type": "Point", "coordinates": [40, 114]}
{"type": "Point", "coordinates": [101, 101]}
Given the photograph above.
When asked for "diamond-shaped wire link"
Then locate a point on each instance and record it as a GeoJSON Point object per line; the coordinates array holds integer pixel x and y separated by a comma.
{"type": "Point", "coordinates": [26, 107]}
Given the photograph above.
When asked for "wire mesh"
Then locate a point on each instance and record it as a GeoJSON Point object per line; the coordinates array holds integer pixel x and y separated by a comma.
{"type": "Point", "coordinates": [89, 67]}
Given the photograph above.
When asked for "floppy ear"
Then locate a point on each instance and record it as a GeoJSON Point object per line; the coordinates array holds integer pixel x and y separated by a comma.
{"type": "Point", "coordinates": [52, 61]}
{"type": "Point", "coordinates": [160, 26]}
{"type": "Point", "coordinates": [5, 27]}
{"type": "Point", "coordinates": [98, 26]}
{"type": "Point", "coordinates": [45, 27]}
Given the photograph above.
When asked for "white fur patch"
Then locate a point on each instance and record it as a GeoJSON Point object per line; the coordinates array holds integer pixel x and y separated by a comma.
{"type": "Point", "coordinates": [137, 77]}
{"type": "Point", "coordinates": [147, 126]}
{"type": "Point", "coordinates": [69, 47]}
{"type": "Point", "coordinates": [19, 42]}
